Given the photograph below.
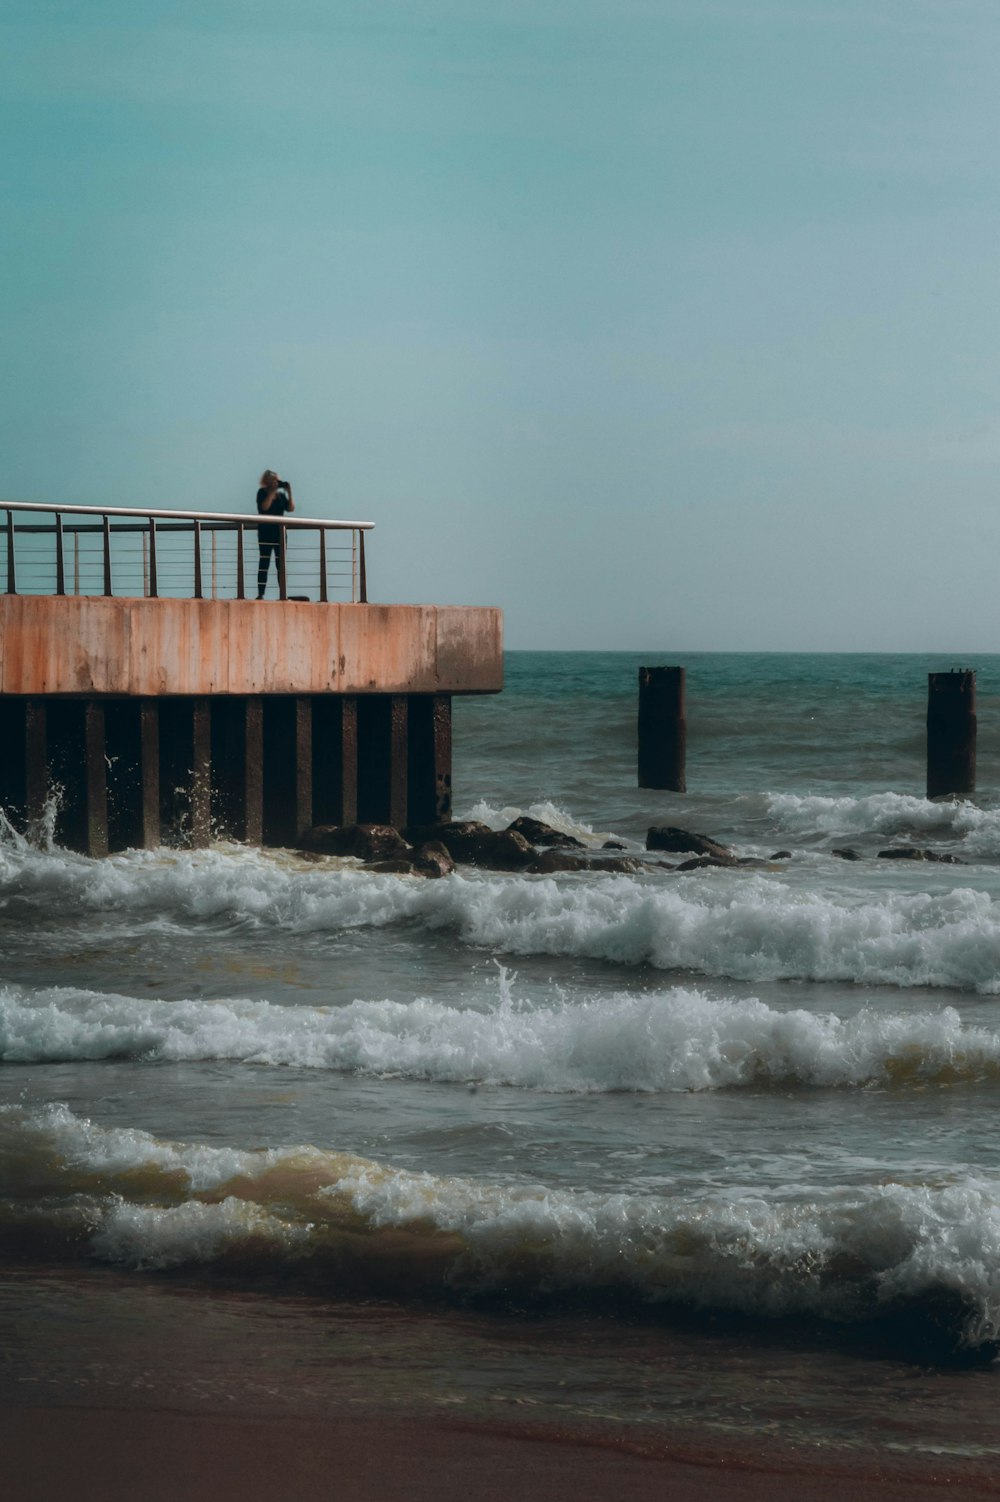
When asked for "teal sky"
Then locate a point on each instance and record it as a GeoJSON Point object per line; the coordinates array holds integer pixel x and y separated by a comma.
{"type": "Point", "coordinates": [662, 325]}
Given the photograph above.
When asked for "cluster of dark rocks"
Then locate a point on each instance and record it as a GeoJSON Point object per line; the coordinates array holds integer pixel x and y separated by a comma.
{"type": "Point", "coordinates": [536, 848]}
{"type": "Point", "coordinates": [904, 853]}
{"type": "Point", "coordinates": [435, 849]}
{"type": "Point", "coordinates": [711, 853]}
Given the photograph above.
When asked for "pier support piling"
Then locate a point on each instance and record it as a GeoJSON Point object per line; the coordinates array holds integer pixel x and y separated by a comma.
{"type": "Point", "coordinates": [75, 731]}
{"type": "Point", "coordinates": [201, 772]}
{"type": "Point", "coordinates": [951, 734]}
{"type": "Point", "coordinates": [429, 756]}
{"type": "Point", "coordinates": [185, 759]}
{"type": "Point", "coordinates": [149, 774]}
{"type": "Point", "coordinates": [335, 759]}
{"type": "Point", "coordinates": [238, 768]}
{"type": "Point", "coordinates": [133, 761]}
{"type": "Point", "coordinates": [383, 730]}
{"type": "Point", "coordinates": [24, 771]}
{"type": "Point", "coordinates": [662, 729]}
{"type": "Point", "coordinates": [288, 769]}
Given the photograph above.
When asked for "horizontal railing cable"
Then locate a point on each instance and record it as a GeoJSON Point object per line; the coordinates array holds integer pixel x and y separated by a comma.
{"type": "Point", "coordinates": [128, 552]}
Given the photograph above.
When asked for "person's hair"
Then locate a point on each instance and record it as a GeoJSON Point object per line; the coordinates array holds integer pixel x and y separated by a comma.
{"type": "Point", "coordinates": [269, 474]}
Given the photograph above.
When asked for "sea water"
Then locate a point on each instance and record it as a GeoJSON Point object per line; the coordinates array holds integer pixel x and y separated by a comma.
{"type": "Point", "coordinates": [647, 1147]}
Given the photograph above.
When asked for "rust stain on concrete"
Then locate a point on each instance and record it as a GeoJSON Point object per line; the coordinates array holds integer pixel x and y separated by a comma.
{"type": "Point", "coordinates": [92, 645]}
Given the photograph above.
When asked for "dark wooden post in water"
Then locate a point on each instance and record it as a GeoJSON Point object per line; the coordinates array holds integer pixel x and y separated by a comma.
{"type": "Point", "coordinates": [662, 729]}
{"type": "Point", "coordinates": [951, 734]}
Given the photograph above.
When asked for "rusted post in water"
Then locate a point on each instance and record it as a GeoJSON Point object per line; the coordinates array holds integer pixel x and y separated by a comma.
{"type": "Point", "coordinates": [951, 734]}
{"type": "Point", "coordinates": [662, 729]}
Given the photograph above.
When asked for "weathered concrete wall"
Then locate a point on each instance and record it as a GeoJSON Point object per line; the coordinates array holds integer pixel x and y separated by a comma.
{"type": "Point", "coordinates": [93, 646]}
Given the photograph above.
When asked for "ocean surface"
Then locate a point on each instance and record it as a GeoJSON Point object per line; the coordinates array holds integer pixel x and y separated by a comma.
{"type": "Point", "coordinates": [713, 1148]}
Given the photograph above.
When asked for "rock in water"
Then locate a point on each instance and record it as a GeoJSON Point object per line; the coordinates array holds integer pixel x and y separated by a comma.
{"type": "Point", "coordinates": [680, 841]}
{"type": "Point", "coordinates": [432, 859]}
{"type": "Point", "coordinates": [367, 842]}
{"type": "Point", "coordinates": [537, 833]}
{"type": "Point", "coordinates": [912, 853]}
{"type": "Point", "coordinates": [477, 844]}
{"type": "Point", "coordinates": [551, 861]}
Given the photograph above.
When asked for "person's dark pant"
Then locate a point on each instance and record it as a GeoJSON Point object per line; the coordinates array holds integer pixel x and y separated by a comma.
{"type": "Point", "coordinates": [266, 549]}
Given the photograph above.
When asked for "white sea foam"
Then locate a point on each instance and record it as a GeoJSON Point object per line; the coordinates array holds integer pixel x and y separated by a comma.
{"type": "Point", "coordinates": [968, 829]}
{"type": "Point", "coordinates": [145, 1236]}
{"type": "Point", "coordinates": [842, 1253]}
{"type": "Point", "coordinates": [674, 1040]}
{"type": "Point", "coordinates": [736, 924]}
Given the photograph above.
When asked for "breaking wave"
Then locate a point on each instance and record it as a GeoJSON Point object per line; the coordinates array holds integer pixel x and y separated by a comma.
{"type": "Point", "coordinates": [728, 923]}
{"type": "Point", "coordinates": [674, 1040]}
{"type": "Point", "coordinates": [339, 1222]}
{"type": "Point", "coordinates": [965, 828]}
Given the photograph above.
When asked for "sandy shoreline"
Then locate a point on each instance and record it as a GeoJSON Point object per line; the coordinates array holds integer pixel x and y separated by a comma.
{"type": "Point", "coordinates": [118, 1455]}
{"type": "Point", "coordinates": [113, 1389]}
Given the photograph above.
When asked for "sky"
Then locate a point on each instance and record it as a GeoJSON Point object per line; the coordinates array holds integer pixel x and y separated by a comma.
{"type": "Point", "coordinates": [662, 324]}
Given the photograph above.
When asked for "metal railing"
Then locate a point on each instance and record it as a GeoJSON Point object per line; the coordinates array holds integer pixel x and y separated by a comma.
{"type": "Point", "coordinates": [201, 555]}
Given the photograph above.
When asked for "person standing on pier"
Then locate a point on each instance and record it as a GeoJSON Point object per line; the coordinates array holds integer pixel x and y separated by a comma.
{"type": "Point", "coordinates": [274, 498]}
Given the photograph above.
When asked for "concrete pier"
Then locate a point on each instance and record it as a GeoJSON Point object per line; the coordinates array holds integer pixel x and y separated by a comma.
{"type": "Point", "coordinates": [179, 721]}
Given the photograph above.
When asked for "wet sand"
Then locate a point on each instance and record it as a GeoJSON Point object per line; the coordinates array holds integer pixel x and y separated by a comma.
{"type": "Point", "coordinates": [121, 1390]}
{"type": "Point", "coordinates": [115, 1455]}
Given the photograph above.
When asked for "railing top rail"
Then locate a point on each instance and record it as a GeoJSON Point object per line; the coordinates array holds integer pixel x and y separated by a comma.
{"type": "Point", "coordinates": [202, 516]}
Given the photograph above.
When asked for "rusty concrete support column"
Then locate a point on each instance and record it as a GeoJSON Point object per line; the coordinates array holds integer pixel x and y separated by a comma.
{"type": "Point", "coordinates": [335, 759]}
{"type": "Point", "coordinates": [238, 768]}
{"type": "Point", "coordinates": [12, 759]}
{"type": "Point", "coordinates": [133, 755]}
{"type": "Point", "coordinates": [951, 734]}
{"type": "Point", "coordinates": [441, 753]}
{"type": "Point", "coordinates": [36, 760]}
{"type": "Point", "coordinates": [288, 769]}
{"type": "Point", "coordinates": [302, 734]}
{"type": "Point", "coordinates": [149, 774]}
{"type": "Point", "coordinates": [429, 754]}
{"type": "Point", "coordinates": [662, 729]}
{"type": "Point", "coordinates": [349, 759]}
{"type": "Point", "coordinates": [95, 780]}
{"type": "Point", "coordinates": [201, 767]}
{"type": "Point", "coordinates": [399, 720]}
{"type": "Point", "coordinates": [24, 773]}
{"type": "Point", "coordinates": [253, 772]}
{"type": "Point", "coordinates": [382, 761]}
{"type": "Point", "coordinates": [175, 765]}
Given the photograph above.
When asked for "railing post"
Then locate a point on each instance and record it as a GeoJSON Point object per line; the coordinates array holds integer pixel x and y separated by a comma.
{"type": "Point", "coordinates": [282, 575]}
{"type": "Point", "coordinates": [197, 560]}
{"type": "Point", "coordinates": [153, 588]}
{"type": "Point", "coordinates": [241, 590]}
{"type": "Point", "coordinates": [11, 571]}
{"type": "Point", "coordinates": [60, 560]}
{"type": "Point", "coordinates": [361, 568]}
{"type": "Point", "coordinates": [323, 593]}
{"type": "Point", "coordinates": [107, 554]}
{"type": "Point", "coordinates": [76, 560]}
